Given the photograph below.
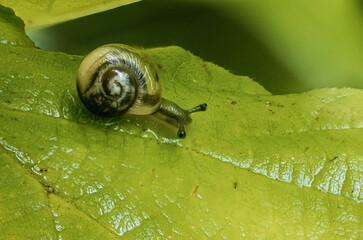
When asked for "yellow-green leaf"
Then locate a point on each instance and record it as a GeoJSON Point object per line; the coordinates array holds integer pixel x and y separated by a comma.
{"type": "Point", "coordinates": [253, 165]}
{"type": "Point", "coordinates": [38, 13]}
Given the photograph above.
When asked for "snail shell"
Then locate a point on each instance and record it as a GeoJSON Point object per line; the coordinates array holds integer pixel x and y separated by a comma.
{"type": "Point", "coordinates": [116, 79]}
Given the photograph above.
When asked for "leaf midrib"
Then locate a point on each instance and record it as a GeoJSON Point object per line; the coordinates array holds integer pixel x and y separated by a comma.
{"type": "Point", "coordinates": [195, 150]}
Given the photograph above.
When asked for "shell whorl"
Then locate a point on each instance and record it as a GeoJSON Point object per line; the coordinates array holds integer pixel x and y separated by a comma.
{"type": "Point", "coordinates": [116, 79]}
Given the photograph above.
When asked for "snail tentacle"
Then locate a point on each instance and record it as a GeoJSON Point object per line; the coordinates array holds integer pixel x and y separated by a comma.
{"type": "Point", "coordinates": [171, 110]}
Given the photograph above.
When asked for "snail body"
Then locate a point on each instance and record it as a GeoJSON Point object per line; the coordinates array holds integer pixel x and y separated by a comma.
{"type": "Point", "coordinates": [116, 79]}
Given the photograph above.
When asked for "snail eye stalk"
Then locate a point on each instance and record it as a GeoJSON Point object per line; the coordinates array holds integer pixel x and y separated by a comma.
{"type": "Point", "coordinates": [199, 108]}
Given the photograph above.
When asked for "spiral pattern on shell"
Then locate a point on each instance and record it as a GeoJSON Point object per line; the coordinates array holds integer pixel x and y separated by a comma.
{"type": "Point", "coordinates": [116, 79]}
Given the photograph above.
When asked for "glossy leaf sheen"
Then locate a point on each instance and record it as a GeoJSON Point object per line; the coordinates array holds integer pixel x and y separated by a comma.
{"type": "Point", "coordinates": [253, 164]}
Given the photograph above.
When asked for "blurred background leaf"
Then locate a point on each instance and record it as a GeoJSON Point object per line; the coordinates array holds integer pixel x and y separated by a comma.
{"type": "Point", "coordinates": [40, 13]}
{"type": "Point", "coordinates": [287, 46]}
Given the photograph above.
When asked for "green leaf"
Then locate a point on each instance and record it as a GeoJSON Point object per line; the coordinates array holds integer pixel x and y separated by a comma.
{"type": "Point", "coordinates": [12, 29]}
{"type": "Point", "coordinates": [254, 164]}
{"type": "Point", "coordinates": [38, 13]}
{"type": "Point", "coordinates": [39, 214]}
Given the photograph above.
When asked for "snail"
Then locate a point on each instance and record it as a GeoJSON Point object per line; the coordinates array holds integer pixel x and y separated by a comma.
{"type": "Point", "coordinates": [116, 79]}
